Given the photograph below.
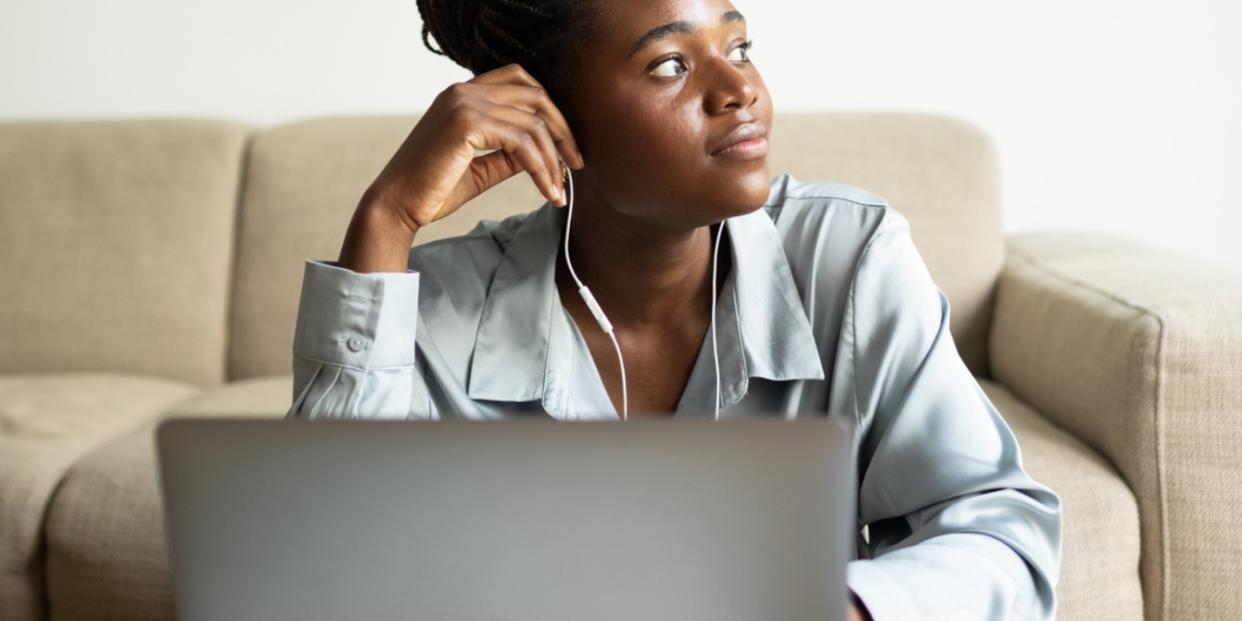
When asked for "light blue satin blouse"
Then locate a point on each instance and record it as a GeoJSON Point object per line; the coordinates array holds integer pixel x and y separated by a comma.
{"type": "Point", "coordinates": [828, 310]}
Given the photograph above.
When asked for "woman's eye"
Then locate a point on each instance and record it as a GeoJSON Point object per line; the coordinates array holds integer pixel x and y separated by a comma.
{"type": "Point", "coordinates": [673, 67]}
{"type": "Point", "coordinates": [669, 68]}
{"type": "Point", "coordinates": [741, 53]}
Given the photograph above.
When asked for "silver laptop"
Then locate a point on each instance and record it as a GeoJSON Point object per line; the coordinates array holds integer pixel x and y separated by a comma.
{"type": "Point", "coordinates": [518, 520]}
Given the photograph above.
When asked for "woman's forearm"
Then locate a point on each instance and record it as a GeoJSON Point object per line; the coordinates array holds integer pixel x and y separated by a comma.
{"type": "Point", "coordinates": [377, 240]}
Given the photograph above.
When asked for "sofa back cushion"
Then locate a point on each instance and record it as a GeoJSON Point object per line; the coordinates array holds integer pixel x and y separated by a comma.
{"type": "Point", "coordinates": [304, 180]}
{"type": "Point", "coordinates": [116, 245]}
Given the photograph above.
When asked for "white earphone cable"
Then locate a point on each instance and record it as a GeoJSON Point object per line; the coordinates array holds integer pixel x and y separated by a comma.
{"type": "Point", "coordinates": [594, 306]}
{"type": "Point", "coordinates": [715, 349]}
{"type": "Point", "coordinates": [606, 325]}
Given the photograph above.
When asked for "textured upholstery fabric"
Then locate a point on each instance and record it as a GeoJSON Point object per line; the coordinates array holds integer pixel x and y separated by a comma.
{"type": "Point", "coordinates": [107, 556]}
{"type": "Point", "coordinates": [304, 181]}
{"type": "Point", "coordinates": [1139, 353]}
{"type": "Point", "coordinates": [46, 423]}
{"type": "Point", "coordinates": [115, 246]}
{"type": "Point", "coordinates": [1100, 527]}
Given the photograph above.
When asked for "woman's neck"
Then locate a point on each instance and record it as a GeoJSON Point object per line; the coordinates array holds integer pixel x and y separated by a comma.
{"type": "Point", "coordinates": [640, 275]}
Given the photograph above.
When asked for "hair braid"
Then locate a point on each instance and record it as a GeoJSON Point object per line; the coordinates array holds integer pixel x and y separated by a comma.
{"type": "Point", "coordinates": [492, 21]}
{"type": "Point", "coordinates": [481, 35]}
{"type": "Point", "coordinates": [450, 27]}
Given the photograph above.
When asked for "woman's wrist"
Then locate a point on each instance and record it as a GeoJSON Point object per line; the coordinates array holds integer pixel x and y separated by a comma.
{"type": "Point", "coordinates": [858, 612]}
{"type": "Point", "coordinates": [377, 240]}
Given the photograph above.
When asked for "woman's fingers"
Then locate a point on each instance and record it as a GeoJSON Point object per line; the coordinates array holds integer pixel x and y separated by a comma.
{"type": "Point", "coordinates": [520, 144]}
{"type": "Point", "coordinates": [538, 129]}
{"type": "Point", "coordinates": [535, 101]}
{"type": "Point", "coordinates": [436, 170]}
{"type": "Point", "coordinates": [512, 85]}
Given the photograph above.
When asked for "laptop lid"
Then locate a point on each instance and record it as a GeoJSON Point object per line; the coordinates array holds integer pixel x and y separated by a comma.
{"type": "Point", "coordinates": [521, 520]}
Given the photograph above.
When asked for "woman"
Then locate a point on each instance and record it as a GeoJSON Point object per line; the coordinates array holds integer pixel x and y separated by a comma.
{"type": "Point", "coordinates": [825, 306]}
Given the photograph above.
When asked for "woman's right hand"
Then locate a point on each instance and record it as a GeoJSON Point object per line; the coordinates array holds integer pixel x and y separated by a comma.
{"type": "Point", "coordinates": [436, 170]}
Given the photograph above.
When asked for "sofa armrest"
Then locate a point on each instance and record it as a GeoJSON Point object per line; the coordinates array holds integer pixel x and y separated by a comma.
{"type": "Point", "coordinates": [1138, 352]}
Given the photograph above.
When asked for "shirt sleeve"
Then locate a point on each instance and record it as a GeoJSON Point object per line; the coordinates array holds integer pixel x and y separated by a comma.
{"type": "Point", "coordinates": [353, 344]}
{"type": "Point", "coordinates": [957, 529]}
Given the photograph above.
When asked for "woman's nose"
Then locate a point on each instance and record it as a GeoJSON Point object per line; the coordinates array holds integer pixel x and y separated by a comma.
{"type": "Point", "coordinates": [729, 86]}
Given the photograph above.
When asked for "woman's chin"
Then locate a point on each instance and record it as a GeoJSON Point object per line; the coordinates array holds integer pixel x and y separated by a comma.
{"type": "Point", "coordinates": [746, 192]}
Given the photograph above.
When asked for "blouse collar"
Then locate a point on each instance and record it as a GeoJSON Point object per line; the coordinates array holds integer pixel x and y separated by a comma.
{"type": "Point", "coordinates": [524, 346]}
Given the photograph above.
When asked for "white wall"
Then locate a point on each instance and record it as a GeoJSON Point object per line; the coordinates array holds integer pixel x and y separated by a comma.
{"type": "Point", "coordinates": [1112, 115]}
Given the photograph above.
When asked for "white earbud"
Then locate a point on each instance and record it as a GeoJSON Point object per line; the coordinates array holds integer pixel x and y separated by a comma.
{"type": "Point", "coordinates": [606, 325]}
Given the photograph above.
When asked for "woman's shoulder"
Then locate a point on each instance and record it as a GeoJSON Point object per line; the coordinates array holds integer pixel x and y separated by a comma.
{"type": "Point", "coordinates": [788, 190]}
{"type": "Point", "coordinates": [823, 218]}
{"type": "Point", "coordinates": [846, 243]}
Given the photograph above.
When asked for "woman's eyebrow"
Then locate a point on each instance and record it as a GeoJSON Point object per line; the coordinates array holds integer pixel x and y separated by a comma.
{"type": "Point", "coordinates": [659, 32]}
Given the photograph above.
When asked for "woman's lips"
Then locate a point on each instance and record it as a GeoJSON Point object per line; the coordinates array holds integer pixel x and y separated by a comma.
{"type": "Point", "coordinates": [752, 149]}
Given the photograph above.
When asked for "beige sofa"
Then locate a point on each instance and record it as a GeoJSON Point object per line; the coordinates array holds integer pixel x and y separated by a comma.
{"type": "Point", "coordinates": [151, 268]}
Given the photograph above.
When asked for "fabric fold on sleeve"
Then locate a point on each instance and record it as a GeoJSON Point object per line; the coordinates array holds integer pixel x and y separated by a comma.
{"type": "Point", "coordinates": [957, 529]}
{"type": "Point", "coordinates": [354, 343]}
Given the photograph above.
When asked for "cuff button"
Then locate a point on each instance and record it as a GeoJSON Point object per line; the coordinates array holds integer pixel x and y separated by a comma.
{"type": "Point", "coordinates": [356, 343]}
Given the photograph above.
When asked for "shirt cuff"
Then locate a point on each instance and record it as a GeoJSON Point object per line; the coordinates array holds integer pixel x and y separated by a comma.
{"type": "Point", "coordinates": [354, 319]}
{"type": "Point", "coordinates": [879, 592]}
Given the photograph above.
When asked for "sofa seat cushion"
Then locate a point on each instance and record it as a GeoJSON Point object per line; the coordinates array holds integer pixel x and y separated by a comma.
{"type": "Point", "coordinates": [1100, 520]}
{"type": "Point", "coordinates": [106, 550]}
{"type": "Point", "coordinates": [47, 422]}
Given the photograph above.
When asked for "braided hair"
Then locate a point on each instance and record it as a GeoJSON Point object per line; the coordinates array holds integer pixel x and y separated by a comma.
{"type": "Point", "coordinates": [539, 35]}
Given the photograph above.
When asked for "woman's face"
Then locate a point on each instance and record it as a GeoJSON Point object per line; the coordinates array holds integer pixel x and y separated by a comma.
{"type": "Point", "coordinates": [664, 84]}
